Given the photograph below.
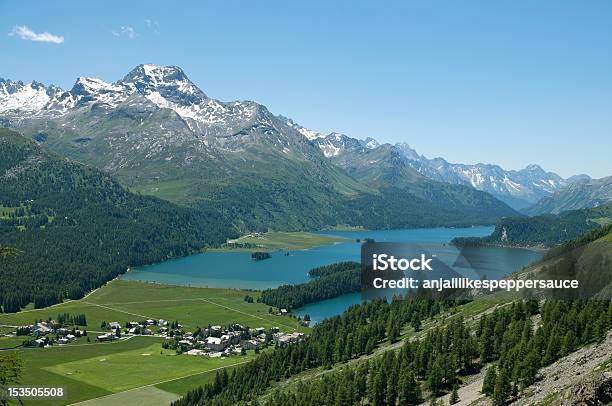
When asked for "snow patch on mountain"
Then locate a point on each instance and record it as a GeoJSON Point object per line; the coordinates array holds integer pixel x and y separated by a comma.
{"type": "Point", "coordinates": [165, 87]}
{"type": "Point", "coordinates": [231, 124]}
{"type": "Point", "coordinates": [517, 188]}
{"type": "Point", "coordinates": [16, 96]}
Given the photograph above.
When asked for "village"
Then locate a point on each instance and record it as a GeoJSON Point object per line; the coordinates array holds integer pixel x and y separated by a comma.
{"type": "Point", "coordinates": [215, 341]}
{"type": "Point", "coordinates": [212, 341]}
{"type": "Point", "coordinates": [47, 333]}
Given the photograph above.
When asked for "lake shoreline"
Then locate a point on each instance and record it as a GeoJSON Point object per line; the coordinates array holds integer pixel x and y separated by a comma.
{"type": "Point", "coordinates": [277, 241]}
{"type": "Point", "coordinates": [235, 269]}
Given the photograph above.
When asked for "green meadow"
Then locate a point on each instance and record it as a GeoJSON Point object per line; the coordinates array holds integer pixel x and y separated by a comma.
{"type": "Point", "coordinates": [122, 301]}
{"type": "Point", "coordinates": [94, 370]}
{"type": "Point", "coordinates": [282, 240]}
{"type": "Point", "coordinates": [89, 370]}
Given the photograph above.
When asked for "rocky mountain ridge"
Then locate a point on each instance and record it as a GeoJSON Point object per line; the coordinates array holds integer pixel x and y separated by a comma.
{"type": "Point", "coordinates": [159, 134]}
{"type": "Point", "coordinates": [517, 188]}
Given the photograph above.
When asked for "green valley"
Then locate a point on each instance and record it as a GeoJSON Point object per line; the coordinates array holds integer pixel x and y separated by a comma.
{"type": "Point", "coordinates": [421, 349]}
{"type": "Point", "coordinates": [83, 366]}
{"type": "Point", "coordinates": [123, 301]}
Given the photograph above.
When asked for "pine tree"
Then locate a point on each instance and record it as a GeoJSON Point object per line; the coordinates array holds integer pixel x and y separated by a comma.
{"type": "Point", "coordinates": [569, 343]}
{"type": "Point", "coordinates": [394, 333]}
{"type": "Point", "coordinates": [529, 368]}
{"type": "Point", "coordinates": [488, 384]}
{"type": "Point", "coordinates": [416, 322]}
{"type": "Point", "coordinates": [380, 388]}
{"type": "Point", "coordinates": [408, 389]}
{"type": "Point", "coordinates": [600, 328]}
{"type": "Point", "coordinates": [503, 387]}
{"type": "Point", "coordinates": [434, 380]}
{"type": "Point", "coordinates": [553, 347]}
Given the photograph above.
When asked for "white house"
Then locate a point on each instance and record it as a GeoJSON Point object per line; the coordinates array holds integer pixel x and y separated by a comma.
{"type": "Point", "coordinates": [113, 325]}
{"type": "Point", "coordinates": [106, 337]}
{"type": "Point", "coordinates": [196, 352]}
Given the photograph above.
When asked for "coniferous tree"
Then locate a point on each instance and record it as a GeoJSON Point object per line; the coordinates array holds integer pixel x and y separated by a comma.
{"type": "Point", "coordinates": [434, 381]}
{"type": "Point", "coordinates": [408, 388]}
{"type": "Point", "coordinates": [488, 385]}
{"type": "Point", "coordinates": [503, 387]}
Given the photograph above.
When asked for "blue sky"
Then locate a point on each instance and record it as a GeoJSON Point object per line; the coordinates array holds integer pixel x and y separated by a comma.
{"type": "Point", "coordinates": [506, 82]}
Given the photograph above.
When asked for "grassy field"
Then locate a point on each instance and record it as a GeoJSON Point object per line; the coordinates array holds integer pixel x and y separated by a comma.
{"type": "Point", "coordinates": [183, 385]}
{"type": "Point", "coordinates": [146, 395]}
{"type": "Point", "coordinates": [120, 371]}
{"type": "Point", "coordinates": [280, 240]}
{"type": "Point", "coordinates": [125, 301]}
{"type": "Point", "coordinates": [92, 370]}
{"type": "Point", "coordinates": [170, 190]}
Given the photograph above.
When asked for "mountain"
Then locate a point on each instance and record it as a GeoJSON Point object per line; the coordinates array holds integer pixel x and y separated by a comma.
{"type": "Point", "coordinates": [72, 228]}
{"type": "Point", "coordinates": [582, 193]}
{"type": "Point", "coordinates": [160, 135]}
{"type": "Point", "coordinates": [367, 158]}
{"type": "Point", "coordinates": [518, 189]}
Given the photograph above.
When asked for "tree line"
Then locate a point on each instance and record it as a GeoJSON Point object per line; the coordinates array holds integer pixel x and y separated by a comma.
{"type": "Point", "coordinates": [329, 281]}
{"type": "Point", "coordinates": [355, 333]}
{"type": "Point", "coordinates": [506, 341]}
{"type": "Point", "coordinates": [547, 230]}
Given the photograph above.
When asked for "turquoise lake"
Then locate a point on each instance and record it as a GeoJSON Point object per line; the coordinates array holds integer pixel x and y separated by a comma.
{"type": "Point", "coordinates": [238, 270]}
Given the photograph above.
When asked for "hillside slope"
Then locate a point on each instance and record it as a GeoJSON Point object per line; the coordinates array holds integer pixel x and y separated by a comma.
{"type": "Point", "coordinates": [545, 230]}
{"type": "Point", "coordinates": [72, 228]}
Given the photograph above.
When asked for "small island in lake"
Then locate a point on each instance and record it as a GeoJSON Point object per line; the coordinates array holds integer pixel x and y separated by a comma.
{"type": "Point", "coordinates": [260, 255]}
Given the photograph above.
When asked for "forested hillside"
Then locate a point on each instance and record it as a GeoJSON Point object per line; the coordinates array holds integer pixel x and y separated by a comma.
{"type": "Point", "coordinates": [507, 342]}
{"type": "Point", "coordinates": [426, 369]}
{"type": "Point", "coordinates": [69, 228]}
{"type": "Point", "coordinates": [547, 230]}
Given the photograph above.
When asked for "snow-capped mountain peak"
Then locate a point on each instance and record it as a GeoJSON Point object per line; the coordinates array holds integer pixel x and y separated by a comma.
{"type": "Point", "coordinates": [517, 188]}
{"type": "Point", "coordinates": [170, 82]}
{"type": "Point", "coordinates": [30, 97]}
{"type": "Point", "coordinates": [371, 143]}
{"type": "Point", "coordinates": [88, 90]}
{"type": "Point", "coordinates": [166, 87]}
{"type": "Point", "coordinates": [309, 134]}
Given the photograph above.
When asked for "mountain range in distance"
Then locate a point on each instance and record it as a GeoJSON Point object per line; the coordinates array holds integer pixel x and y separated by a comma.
{"type": "Point", "coordinates": [582, 193]}
{"type": "Point", "coordinates": [159, 134]}
{"type": "Point", "coordinates": [518, 188]}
